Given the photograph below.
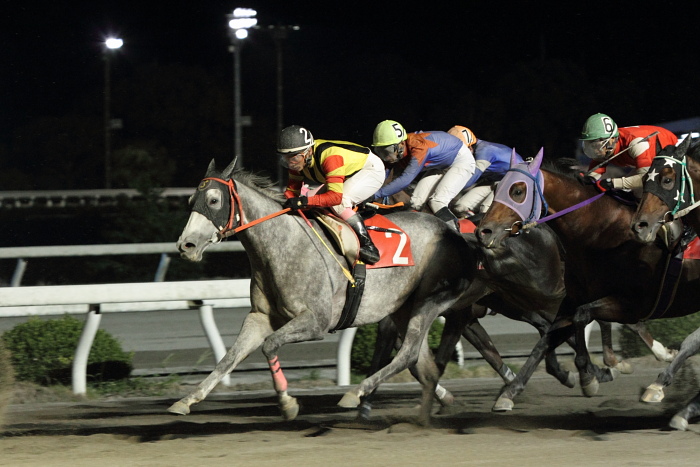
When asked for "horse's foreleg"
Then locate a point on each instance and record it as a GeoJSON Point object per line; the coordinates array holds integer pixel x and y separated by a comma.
{"type": "Point", "coordinates": [660, 351]}
{"type": "Point", "coordinates": [477, 336]}
{"type": "Point", "coordinates": [682, 418]}
{"type": "Point", "coordinates": [689, 347]}
{"type": "Point", "coordinates": [256, 327]}
{"type": "Point", "coordinates": [609, 358]}
{"type": "Point", "coordinates": [553, 338]}
{"type": "Point", "coordinates": [304, 327]}
{"type": "Point", "coordinates": [589, 374]}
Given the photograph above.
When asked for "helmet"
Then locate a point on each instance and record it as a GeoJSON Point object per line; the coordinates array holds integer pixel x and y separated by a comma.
{"type": "Point", "coordinates": [294, 139]}
{"type": "Point", "coordinates": [386, 141]}
{"type": "Point", "coordinates": [388, 132]}
{"type": "Point", "coordinates": [463, 133]}
{"type": "Point", "coordinates": [599, 126]}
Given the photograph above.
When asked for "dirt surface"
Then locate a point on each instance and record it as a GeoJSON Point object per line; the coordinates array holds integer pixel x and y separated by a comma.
{"type": "Point", "coordinates": [550, 425]}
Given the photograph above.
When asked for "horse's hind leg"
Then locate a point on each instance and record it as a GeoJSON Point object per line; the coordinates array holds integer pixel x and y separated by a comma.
{"type": "Point", "coordinates": [407, 356]}
{"type": "Point", "coordinates": [256, 327]}
{"type": "Point", "coordinates": [689, 347]}
{"type": "Point", "coordinates": [387, 336]}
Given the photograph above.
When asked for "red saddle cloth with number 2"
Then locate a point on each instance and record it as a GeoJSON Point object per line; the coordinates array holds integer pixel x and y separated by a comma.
{"type": "Point", "coordinates": [393, 243]}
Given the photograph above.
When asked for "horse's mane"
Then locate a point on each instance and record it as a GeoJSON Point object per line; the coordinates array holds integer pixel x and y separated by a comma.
{"type": "Point", "coordinates": [259, 183]}
{"type": "Point", "coordinates": [566, 166]}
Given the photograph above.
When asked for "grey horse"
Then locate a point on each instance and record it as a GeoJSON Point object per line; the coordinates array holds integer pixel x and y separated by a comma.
{"type": "Point", "coordinates": [298, 286]}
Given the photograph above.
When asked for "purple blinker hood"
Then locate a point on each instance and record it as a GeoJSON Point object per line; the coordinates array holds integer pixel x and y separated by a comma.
{"type": "Point", "coordinates": [529, 173]}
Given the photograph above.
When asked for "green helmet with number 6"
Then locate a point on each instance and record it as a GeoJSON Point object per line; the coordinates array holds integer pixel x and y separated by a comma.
{"type": "Point", "coordinates": [599, 126]}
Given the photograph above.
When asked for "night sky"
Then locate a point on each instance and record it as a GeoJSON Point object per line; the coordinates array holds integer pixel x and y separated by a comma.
{"type": "Point", "coordinates": [350, 66]}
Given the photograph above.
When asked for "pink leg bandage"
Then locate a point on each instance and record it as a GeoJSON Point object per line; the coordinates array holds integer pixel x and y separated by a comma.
{"type": "Point", "coordinates": [278, 379]}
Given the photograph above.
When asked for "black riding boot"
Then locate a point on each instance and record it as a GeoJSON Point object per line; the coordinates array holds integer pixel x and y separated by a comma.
{"type": "Point", "coordinates": [368, 252]}
{"type": "Point", "coordinates": [446, 215]}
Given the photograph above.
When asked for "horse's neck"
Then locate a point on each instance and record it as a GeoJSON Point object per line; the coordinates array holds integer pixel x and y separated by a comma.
{"type": "Point", "coordinates": [693, 217]}
{"type": "Point", "coordinates": [602, 224]}
{"type": "Point", "coordinates": [270, 238]}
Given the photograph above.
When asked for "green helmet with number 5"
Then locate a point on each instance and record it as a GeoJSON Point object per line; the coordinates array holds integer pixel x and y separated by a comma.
{"type": "Point", "coordinates": [388, 132]}
{"type": "Point", "coordinates": [387, 139]}
{"type": "Point", "coordinates": [599, 126]}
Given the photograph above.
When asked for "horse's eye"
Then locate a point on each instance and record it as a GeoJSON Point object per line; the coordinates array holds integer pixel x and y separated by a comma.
{"type": "Point", "coordinates": [213, 201]}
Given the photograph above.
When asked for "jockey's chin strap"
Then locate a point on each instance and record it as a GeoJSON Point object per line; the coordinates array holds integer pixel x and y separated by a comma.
{"type": "Point", "coordinates": [241, 224]}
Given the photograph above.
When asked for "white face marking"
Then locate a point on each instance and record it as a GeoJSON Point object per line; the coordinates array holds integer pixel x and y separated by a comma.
{"type": "Point", "coordinates": [196, 236]}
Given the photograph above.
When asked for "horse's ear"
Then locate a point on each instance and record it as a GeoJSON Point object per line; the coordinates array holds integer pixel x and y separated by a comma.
{"type": "Point", "coordinates": [211, 169]}
{"type": "Point", "coordinates": [534, 166]}
{"type": "Point", "coordinates": [226, 174]}
{"type": "Point", "coordinates": [515, 159]}
{"type": "Point", "coordinates": [682, 149]}
{"type": "Point", "coordinates": [658, 145]}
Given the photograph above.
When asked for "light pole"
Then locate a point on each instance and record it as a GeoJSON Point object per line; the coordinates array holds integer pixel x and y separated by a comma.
{"type": "Point", "coordinates": [240, 21]}
{"type": "Point", "coordinates": [279, 34]}
{"type": "Point", "coordinates": [110, 45]}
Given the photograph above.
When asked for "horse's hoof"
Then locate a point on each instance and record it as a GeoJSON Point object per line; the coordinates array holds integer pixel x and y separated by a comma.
{"type": "Point", "coordinates": [447, 400]}
{"type": "Point", "coordinates": [653, 394]}
{"type": "Point", "coordinates": [678, 423]}
{"type": "Point", "coordinates": [503, 404]}
{"type": "Point", "coordinates": [290, 409]}
{"type": "Point", "coordinates": [364, 411]}
{"type": "Point", "coordinates": [179, 408]}
{"type": "Point", "coordinates": [349, 401]}
{"type": "Point", "coordinates": [624, 367]}
{"type": "Point", "coordinates": [571, 380]}
{"type": "Point", "coordinates": [591, 389]}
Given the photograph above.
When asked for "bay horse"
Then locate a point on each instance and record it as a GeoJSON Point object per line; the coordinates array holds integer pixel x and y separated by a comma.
{"type": "Point", "coordinates": [608, 273]}
{"type": "Point", "coordinates": [669, 194]}
{"type": "Point", "coordinates": [298, 285]}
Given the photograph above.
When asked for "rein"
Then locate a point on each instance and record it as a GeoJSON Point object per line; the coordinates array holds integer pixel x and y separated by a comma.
{"type": "Point", "coordinates": [229, 229]}
{"type": "Point", "coordinates": [563, 211]}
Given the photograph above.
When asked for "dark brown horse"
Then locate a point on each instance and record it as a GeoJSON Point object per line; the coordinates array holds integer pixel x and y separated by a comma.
{"type": "Point", "coordinates": [609, 275]}
{"type": "Point", "coordinates": [670, 189]}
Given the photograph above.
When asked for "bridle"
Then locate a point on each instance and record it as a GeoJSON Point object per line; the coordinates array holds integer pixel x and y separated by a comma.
{"type": "Point", "coordinates": [236, 220]}
{"type": "Point", "coordinates": [667, 197]}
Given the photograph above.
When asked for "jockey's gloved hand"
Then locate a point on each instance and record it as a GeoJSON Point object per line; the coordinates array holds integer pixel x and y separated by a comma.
{"type": "Point", "coordinates": [584, 179]}
{"type": "Point", "coordinates": [297, 203]}
{"type": "Point", "coordinates": [605, 184]}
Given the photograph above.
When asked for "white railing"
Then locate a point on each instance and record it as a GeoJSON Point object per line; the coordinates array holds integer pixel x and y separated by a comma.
{"type": "Point", "coordinates": [95, 299]}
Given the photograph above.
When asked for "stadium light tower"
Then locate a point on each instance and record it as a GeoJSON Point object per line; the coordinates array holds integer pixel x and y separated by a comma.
{"type": "Point", "coordinates": [240, 21]}
{"type": "Point", "coordinates": [111, 45]}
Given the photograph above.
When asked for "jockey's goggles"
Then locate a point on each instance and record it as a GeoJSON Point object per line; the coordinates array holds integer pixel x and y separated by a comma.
{"type": "Point", "coordinates": [294, 157]}
{"type": "Point", "coordinates": [390, 153]}
{"type": "Point", "coordinates": [598, 149]}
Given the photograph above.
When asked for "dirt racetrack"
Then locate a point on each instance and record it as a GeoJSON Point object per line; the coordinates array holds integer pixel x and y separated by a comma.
{"type": "Point", "coordinates": [550, 425]}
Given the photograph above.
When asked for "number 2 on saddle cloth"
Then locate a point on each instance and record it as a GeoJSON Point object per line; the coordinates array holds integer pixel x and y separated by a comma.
{"type": "Point", "coordinates": [393, 244]}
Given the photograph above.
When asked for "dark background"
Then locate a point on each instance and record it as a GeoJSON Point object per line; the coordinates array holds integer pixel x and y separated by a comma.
{"type": "Point", "coordinates": [526, 74]}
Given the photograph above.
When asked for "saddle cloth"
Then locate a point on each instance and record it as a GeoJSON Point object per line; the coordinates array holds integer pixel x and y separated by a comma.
{"type": "Point", "coordinates": [393, 243]}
